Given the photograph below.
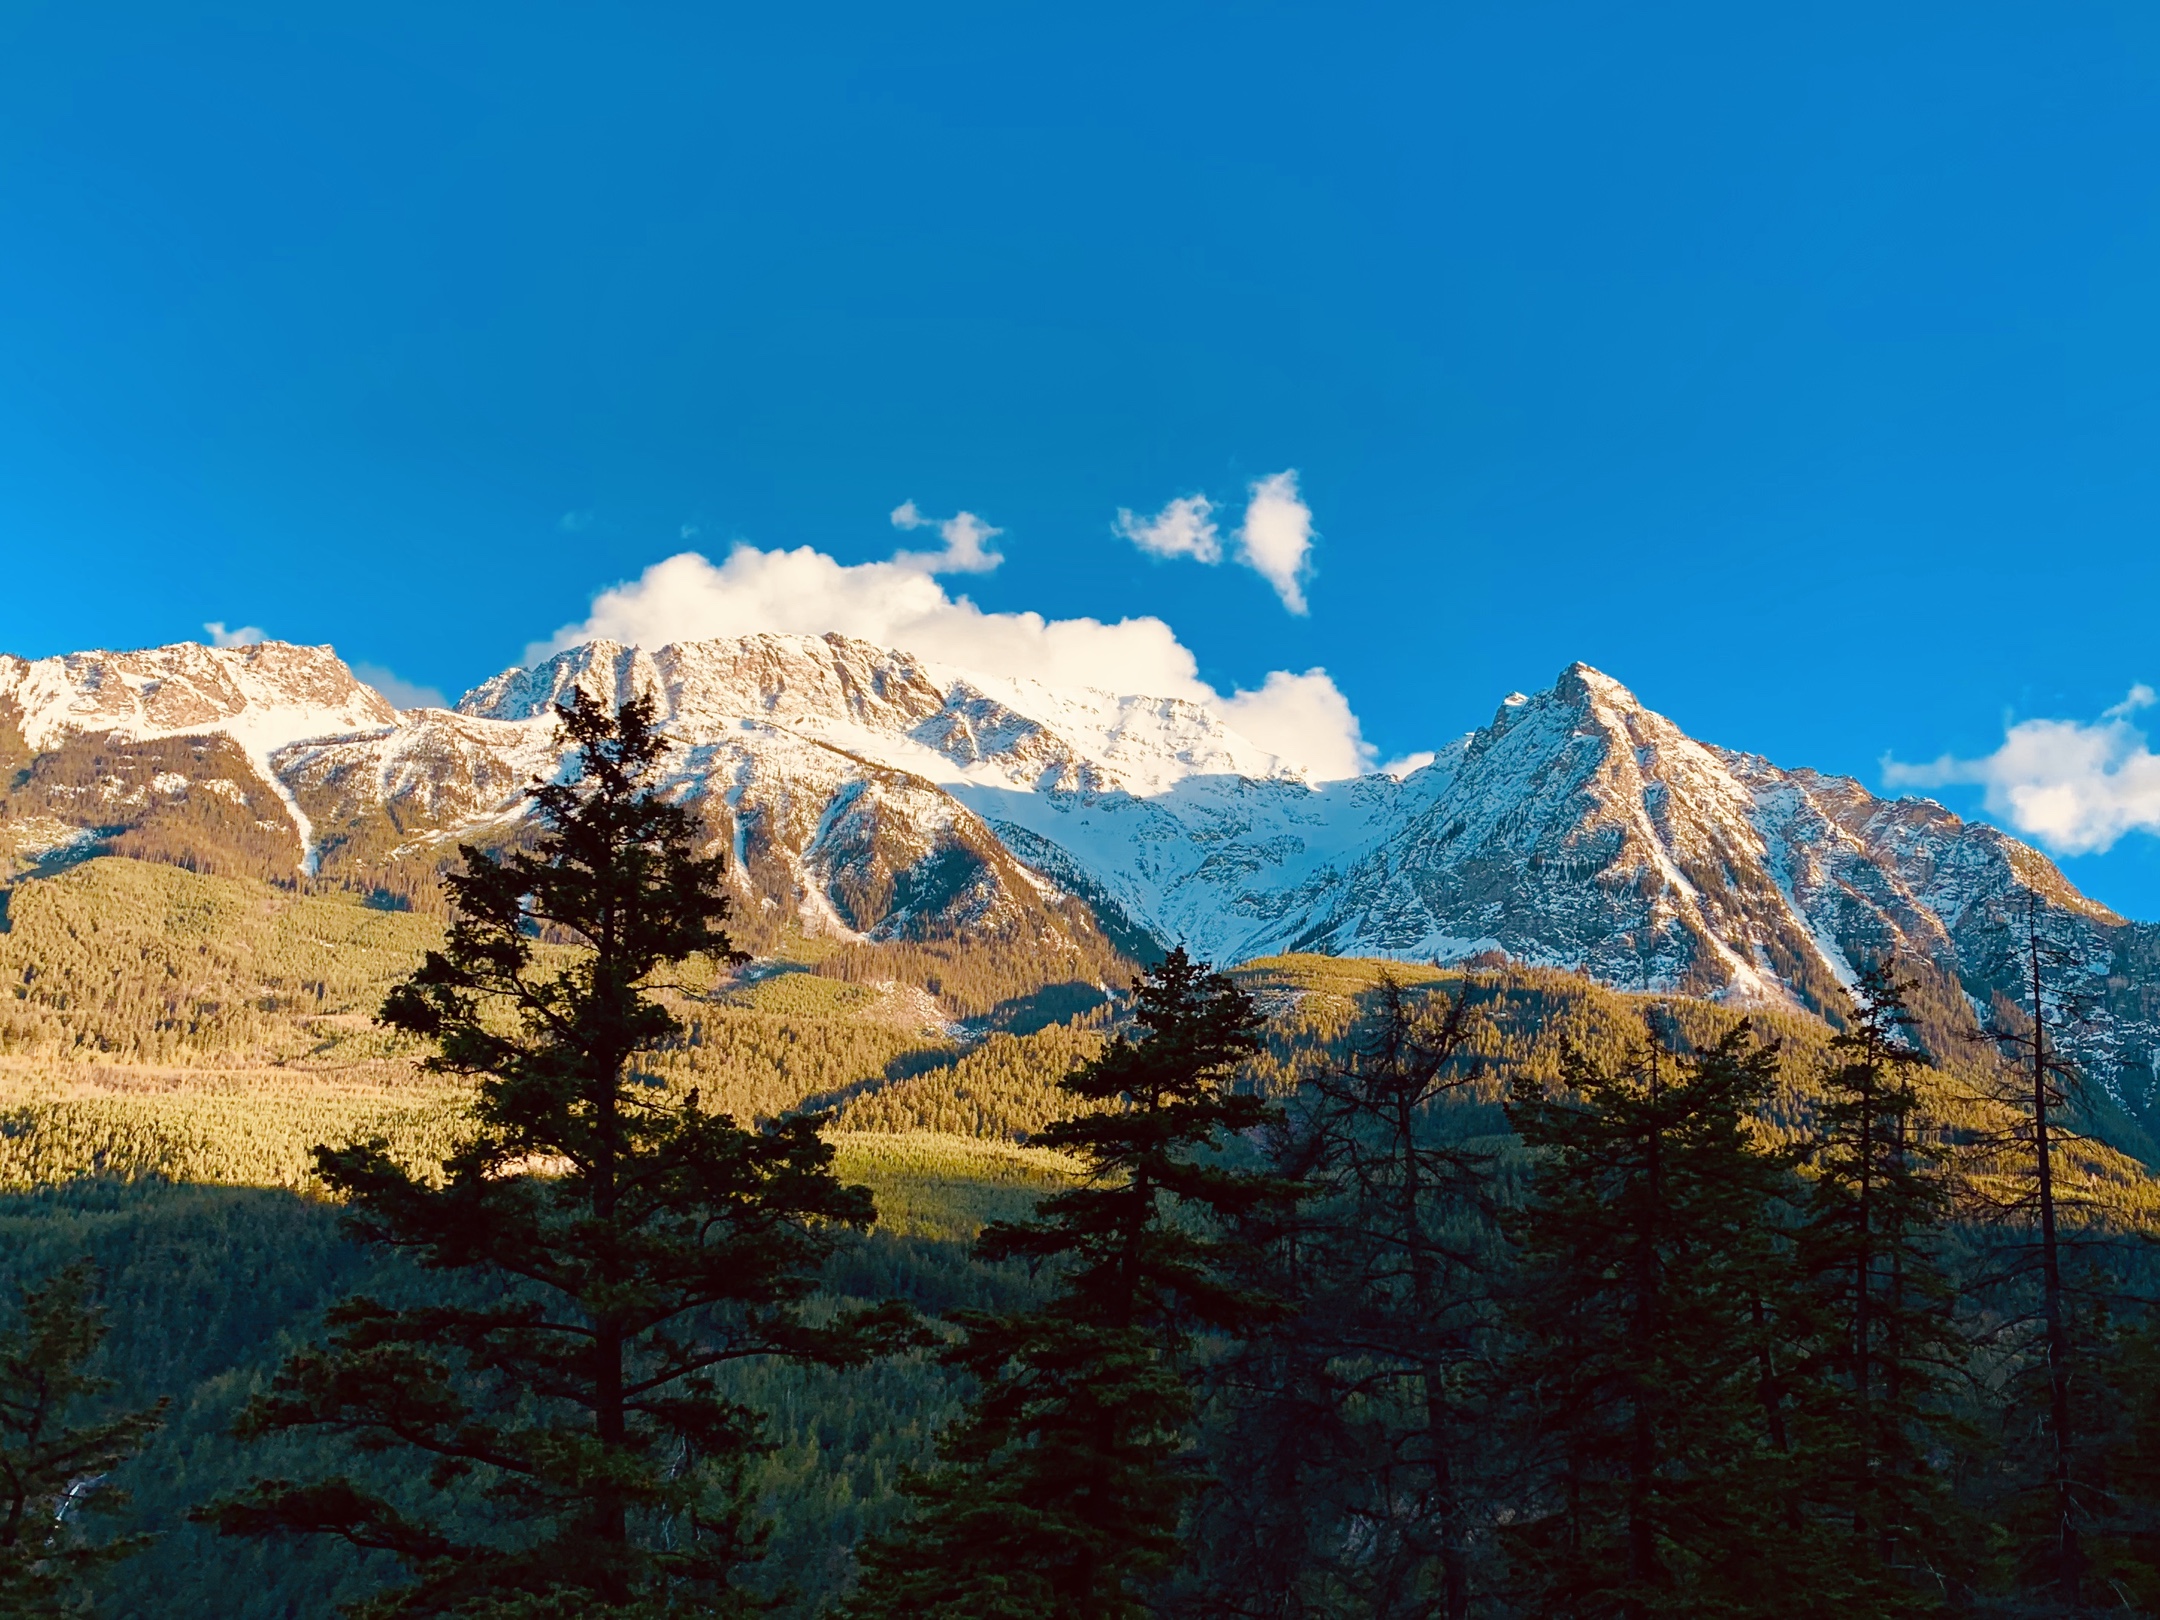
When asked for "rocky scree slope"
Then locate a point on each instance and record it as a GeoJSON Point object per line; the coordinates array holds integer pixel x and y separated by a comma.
{"type": "Point", "coordinates": [870, 796]}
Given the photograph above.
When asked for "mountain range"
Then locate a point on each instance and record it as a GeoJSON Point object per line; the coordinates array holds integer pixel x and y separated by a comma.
{"type": "Point", "coordinates": [870, 796]}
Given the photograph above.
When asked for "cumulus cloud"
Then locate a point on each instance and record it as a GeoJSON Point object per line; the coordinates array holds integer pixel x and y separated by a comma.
{"type": "Point", "coordinates": [1276, 540]}
{"type": "Point", "coordinates": [1409, 764]}
{"type": "Point", "coordinates": [402, 693]}
{"type": "Point", "coordinates": [246, 635]}
{"type": "Point", "coordinates": [1184, 528]}
{"type": "Point", "coordinates": [2075, 787]}
{"type": "Point", "coordinates": [1301, 717]}
{"type": "Point", "coordinates": [899, 604]}
{"type": "Point", "coordinates": [964, 535]}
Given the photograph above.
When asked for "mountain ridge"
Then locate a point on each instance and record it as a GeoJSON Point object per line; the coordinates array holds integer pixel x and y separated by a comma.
{"type": "Point", "coordinates": [869, 795]}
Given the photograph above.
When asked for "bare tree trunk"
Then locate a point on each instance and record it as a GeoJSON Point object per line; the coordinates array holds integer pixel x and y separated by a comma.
{"type": "Point", "coordinates": [1642, 1455]}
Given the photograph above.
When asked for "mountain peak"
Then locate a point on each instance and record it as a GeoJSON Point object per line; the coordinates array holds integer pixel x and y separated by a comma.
{"type": "Point", "coordinates": [1580, 682]}
{"type": "Point", "coordinates": [1575, 690]}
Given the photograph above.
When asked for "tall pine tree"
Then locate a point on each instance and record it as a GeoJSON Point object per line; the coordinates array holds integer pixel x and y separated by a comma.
{"type": "Point", "coordinates": [1060, 1490]}
{"type": "Point", "coordinates": [600, 1250]}
{"type": "Point", "coordinates": [1406, 1224]}
{"type": "Point", "coordinates": [1872, 1248]}
{"type": "Point", "coordinates": [1354, 1428]}
{"type": "Point", "coordinates": [1651, 1288]}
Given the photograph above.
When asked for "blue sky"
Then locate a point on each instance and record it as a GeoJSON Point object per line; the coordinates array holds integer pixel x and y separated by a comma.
{"type": "Point", "coordinates": [1800, 368]}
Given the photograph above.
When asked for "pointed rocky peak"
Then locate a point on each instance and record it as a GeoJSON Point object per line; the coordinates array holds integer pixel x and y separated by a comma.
{"type": "Point", "coordinates": [1586, 701]}
{"type": "Point", "coordinates": [1580, 698]}
{"type": "Point", "coordinates": [1589, 691]}
{"type": "Point", "coordinates": [1587, 680]}
{"type": "Point", "coordinates": [1578, 690]}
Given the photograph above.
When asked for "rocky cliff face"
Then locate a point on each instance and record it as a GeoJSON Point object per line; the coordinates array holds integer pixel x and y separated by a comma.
{"type": "Point", "coordinates": [869, 795]}
{"type": "Point", "coordinates": [261, 696]}
{"type": "Point", "coordinates": [152, 744]}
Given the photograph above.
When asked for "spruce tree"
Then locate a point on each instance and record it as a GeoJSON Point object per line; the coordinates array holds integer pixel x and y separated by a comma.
{"type": "Point", "coordinates": [1871, 1246]}
{"type": "Point", "coordinates": [1060, 1490]}
{"type": "Point", "coordinates": [1402, 1227]}
{"type": "Point", "coordinates": [53, 1456]}
{"type": "Point", "coordinates": [595, 1256]}
{"type": "Point", "coordinates": [1349, 1429]}
{"type": "Point", "coordinates": [1651, 1289]}
{"type": "Point", "coordinates": [1296, 1462]}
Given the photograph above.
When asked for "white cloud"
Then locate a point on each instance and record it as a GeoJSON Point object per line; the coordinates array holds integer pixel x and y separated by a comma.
{"type": "Point", "coordinates": [964, 535]}
{"type": "Point", "coordinates": [402, 693]}
{"type": "Point", "coordinates": [899, 604]}
{"type": "Point", "coordinates": [1302, 717]}
{"type": "Point", "coordinates": [247, 635]}
{"type": "Point", "coordinates": [1276, 540]}
{"type": "Point", "coordinates": [1184, 528]}
{"type": "Point", "coordinates": [1409, 764]}
{"type": "Point", "coordinates": [2075, 787]}
{"type": "Point", "coordinates": [2139, 697]}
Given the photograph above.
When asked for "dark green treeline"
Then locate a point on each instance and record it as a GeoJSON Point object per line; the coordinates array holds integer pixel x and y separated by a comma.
{"type": "Point", "coordinates": [1443, 1345]}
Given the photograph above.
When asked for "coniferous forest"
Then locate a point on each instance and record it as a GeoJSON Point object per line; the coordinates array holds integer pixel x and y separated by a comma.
{"type": "Point", "coordinates": [1303, 1289]}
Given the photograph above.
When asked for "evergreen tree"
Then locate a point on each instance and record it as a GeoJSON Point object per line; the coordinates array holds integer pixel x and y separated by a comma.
{"type": "Point", "coordinates": [1646, 1321]}
{"type": "Point", "coordinates": [1060, 1490]}
{"type": "Point", "coordinates": [1343, 1427]}
{"type": "Point", "coordinates": [1390, 1258]}
{"type": "Point", "coordinates": [604, 1249]}
{"type": "Point", "coordinates": [1295, 1458]}
{"type": "Point", "coordinates": [51, 1462]}
{"type": "Point", "coordinates": [1872, 1249]}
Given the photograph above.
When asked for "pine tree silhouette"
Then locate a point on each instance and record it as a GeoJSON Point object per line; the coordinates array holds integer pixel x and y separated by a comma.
{"type": "Point", "coordinates": [599, 1250]}
{"type": "Point", "coordinates": [1060, 1490]}
{"type": "Point", "coordinates": [1872, 1247]}
{"type": "Point", "coordinates": [1649, 1250]}
{"type": "Point", "coordinates": [2040, 1093]}
{"type": "Point", "coordinates": [1408, 1220]}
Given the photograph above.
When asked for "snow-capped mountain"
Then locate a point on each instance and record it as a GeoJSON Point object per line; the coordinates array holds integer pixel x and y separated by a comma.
{"type": "Point", "coordinates": [868, 794]}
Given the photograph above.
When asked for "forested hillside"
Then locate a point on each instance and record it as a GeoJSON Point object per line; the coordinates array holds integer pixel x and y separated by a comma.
{"type": "Point", "coordinates": [160, 1021]}
{"type": "Point", "coordinates": [174, 1043]}
{"type": "Point", "coordinates": [166, 1022]}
